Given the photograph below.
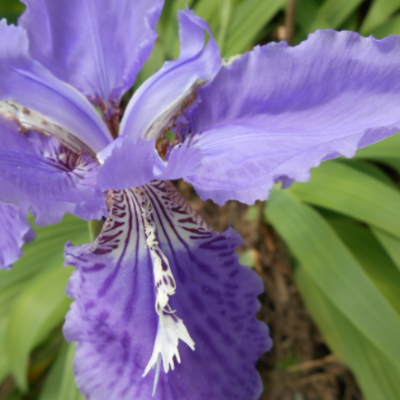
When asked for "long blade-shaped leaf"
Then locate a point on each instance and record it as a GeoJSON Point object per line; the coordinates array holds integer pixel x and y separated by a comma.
{"type": "Point", "coordinates": [60, 383]}
{"type": "Point", "coordinates": [391, 245]}
{"type": "Point", "coordinates": [378, 14]}
{"type": "Point", "coordinates": [40, 307]}
{"type": "Point", "coordinates": [377, 375]}
{"type": "Point", "coordinates": [333, 13]}
{"type": "Point", "coordinates": [336, 271]}
{"type": "Point", "coordinates": [42, 303]}
{"type": "Point", "coordinates": [371, 256]}
{"type": "Point", "coordinates": [341, 188]}
{"type": "Point", "coordinates": [388, 148]}
{"type": "Point", "coordinates": [248, 19]}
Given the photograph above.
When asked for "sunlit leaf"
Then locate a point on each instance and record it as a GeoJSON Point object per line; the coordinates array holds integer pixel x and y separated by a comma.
{"type": "Point", "coordinates": [60, 383]}
{"type": "Point", "coordinates": [371, 256]}
{"type": "Point", "coordinates": [379, 14]}
{"type": "Point", "coordinates": [249, 17]}
{"type": "Point", "coordinates": [341, 188]}
{"type": "Point", "coordinates": [41, 303]}
{"type": "Point", "coordinates": [333, 13]}
{"type": "Point", "coordinates": [377, 375]}
{"type": "Point", "coordinates": [391, 245]}
{"type": "Point", "coordinates": [336, 271]}
{"type": "Point", "coordinates": [39, 309]}
{"type": "Point", "coordinates": [388, 148]}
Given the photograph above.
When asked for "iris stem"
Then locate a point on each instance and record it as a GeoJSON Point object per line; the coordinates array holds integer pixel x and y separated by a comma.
{"type": "Point", "coordinates": [95, 227]}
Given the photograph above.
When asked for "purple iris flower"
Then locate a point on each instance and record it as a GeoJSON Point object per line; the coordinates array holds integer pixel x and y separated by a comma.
{"type": "Point", "coordinates": [162, 307]}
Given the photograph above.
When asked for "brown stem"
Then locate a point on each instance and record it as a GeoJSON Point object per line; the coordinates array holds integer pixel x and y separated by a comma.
{"type": "Point", "coordinates": [290, 20]}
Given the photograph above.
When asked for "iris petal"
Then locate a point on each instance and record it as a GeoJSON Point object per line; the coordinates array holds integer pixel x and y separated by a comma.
{"type": "Point", "coordinates": [40, 170]}
{"type": "Point", "coordinates": [154, 107]}
{"type": "Point", "coordinates": [98, 46]}
{"type": "Point", "coordinates": [116, 323]}
{"type": "Point", "coordinates": [27, 83]}
{"type": "Point", "coordinates": [275, 112]}
{"type": "Point", "coordinates": [159, 100]}
{"type": "Point", "coordinates": [15, 231]}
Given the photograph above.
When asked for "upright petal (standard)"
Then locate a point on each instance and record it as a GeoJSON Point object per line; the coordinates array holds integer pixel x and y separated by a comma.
{"type": "Point", "coordinates": [97, 46]}
{"type": "Point", "coordinates": [27, 83]}
{"type": "Point", "coordinates": [155, 106]}
{"type": "Point", "coordinates": [160, 99]}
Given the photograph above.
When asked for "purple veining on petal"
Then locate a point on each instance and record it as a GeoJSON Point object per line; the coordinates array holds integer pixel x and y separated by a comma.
{"type": "Point", "coordinates": [275, 112]}
{"type": "Point", "coordinates": [42, 171]}
{"type": "Point", "coordinates": [115, 323]}
{"type": "Point", "coordinates": [15, 231]}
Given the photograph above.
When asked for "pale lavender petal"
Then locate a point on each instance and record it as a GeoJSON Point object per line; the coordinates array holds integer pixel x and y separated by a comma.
{"type": "Point", "coordinates": [160, 99]}
{"type": "Point", "coordinates": [27, 83]}
{"type": "Point", "coordinates": [128, 162]}
{"type": "Point", "coordinates": [114, 318]}
{"type": "Point", "coordinates": [98, 46]}
{"type": "Point", "coordinates": [43, 172]}
{"type": "Point", "coordinates": [277, 111]}
{"type": "Point", "coordinates": [15, 231]}
{"type": "Point", "coordinates": [132, 162]}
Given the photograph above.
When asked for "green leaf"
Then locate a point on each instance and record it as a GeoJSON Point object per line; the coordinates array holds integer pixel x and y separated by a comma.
{"type": "Point", "coordinates": [39, 309]}
{"type": "Point", "coordinates": [60, 383]}
{"type": "Point", "coordinates": [209, 11]}
{"type": "Point", "coordinates": [249, 17]}
{"type": "Point", "coordinates": [11, 10]}
{"type": "Point", "coordinates": [379, 14]}
{"type": "Point", "coordinates": [391, 245]}
{"type": "Point", "coordinates": [336, 271]}
{"type": "Point", "coordinates": [377, 375]}
{"type": "Point", "coordinates": [4, 364]}
{"type": "Point", "coordinates": [387, 148]}
{"type": "Point", "coordinates": [344, 189]}
{"type": "Point", "coordinates": [370, 169]}
{"type": "Point", "coordinates": [170, 38]}
{"type": "Point", "coordinates": [306, 12]}
{"type": "Point", "coordinates": [42, 303]}
{"type": "Point", "coordinates": [391, 27]}
{"type": "Point", "coordinates": [50, 241]}
{"type": "Point", "coordinates": [333, 13]}
{"type": "Point", "coordinates": [371, 256]}
{"type": "Point", "coordinates": [152, 65]}
{"type": "Point", "coordinates": [225, 11]}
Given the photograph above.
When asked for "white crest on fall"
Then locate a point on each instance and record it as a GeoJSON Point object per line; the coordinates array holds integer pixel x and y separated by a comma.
{"type": "Point", "coordinates": [170, 327]}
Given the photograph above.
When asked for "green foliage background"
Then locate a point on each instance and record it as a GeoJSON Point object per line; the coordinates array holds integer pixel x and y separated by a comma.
{"type": "Point", "coordinates": [342, 227]}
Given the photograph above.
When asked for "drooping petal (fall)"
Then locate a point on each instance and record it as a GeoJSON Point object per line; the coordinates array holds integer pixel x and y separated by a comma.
{"type": "Point", "coordinates": [98, 46]}
{"type": "Point", "coordinates": [27, 83]}
{"type": "Point", "coordinates": [277, 111]}
{"type": "Point", "coordinates": [36, 168]}
{"type": "Point", "coordinates": [14, 233]}
{"type": "Point", "coordinates": [159, 288]}
{"type": "Point", "coordinates": [163, 96]}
